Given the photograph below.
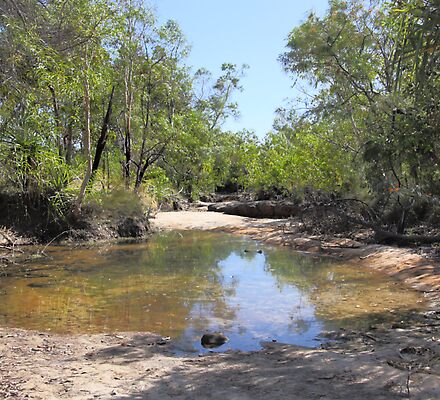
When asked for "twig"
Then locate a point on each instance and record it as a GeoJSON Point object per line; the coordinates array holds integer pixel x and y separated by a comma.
{"type": "Point", "coordinates": [11, 248]}
{"type": "Point", "coordinates": [49, 243]}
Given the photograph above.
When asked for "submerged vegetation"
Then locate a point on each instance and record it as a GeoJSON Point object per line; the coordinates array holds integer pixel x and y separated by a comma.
{"type": "Point", "coordinates": [99, 111]}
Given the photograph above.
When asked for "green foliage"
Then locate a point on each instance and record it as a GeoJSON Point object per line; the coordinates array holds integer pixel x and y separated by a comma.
{"type": "Point", "coordinates": [372, 115]}
{"type": "Point", "coordinates": [157, 184]}
{"type": "Point", "coordinates": [119, 203]}
{"type": "Point", "coordinates": [59, 61]}
{"type": "Point", "coordinates": [374, 70]}
{"type": "Point", "coordinates": [289, 164]}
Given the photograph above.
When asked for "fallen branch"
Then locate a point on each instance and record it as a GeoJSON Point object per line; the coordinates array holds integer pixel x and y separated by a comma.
{"type": "Point", "coordinates": [382, 235]}
{"type": "Point", "coordinates": [386, 236]}
{"type": "Point", "coordinates": [11, 248]}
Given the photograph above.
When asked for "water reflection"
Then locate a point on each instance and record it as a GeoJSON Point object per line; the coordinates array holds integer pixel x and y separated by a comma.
{"type": "Point", "coordinates": [182, 284]}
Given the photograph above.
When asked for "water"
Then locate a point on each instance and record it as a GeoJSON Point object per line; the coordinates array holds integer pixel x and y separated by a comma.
{"type": "Point", "coordinates": [183, 284]}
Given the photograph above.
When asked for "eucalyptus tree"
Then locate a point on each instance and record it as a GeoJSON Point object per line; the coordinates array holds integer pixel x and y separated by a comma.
{"type": "Point", "coordinates": [94, 28]}
{"type": "Point", "coordinates": [375, 69]}
{"type": "Point", "coordinates": [198, 164]}
{"type": "Point", "coordinates": [165, 96]}
{"type": "Point", "coordinates": [214, 99]}
{"type": "Point", "coordinates": [157, 90]}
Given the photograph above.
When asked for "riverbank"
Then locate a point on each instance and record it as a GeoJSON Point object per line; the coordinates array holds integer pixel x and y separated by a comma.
{"type": "Point", "coordinates": [137, 366]}
{"type": "Point", "coordinates": [384, 362]}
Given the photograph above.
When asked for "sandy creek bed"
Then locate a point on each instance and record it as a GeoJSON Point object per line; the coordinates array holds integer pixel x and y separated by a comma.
{"type": "Point", "coordinates": [382, 363]}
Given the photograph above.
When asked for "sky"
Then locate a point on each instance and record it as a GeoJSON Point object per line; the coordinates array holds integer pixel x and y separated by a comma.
{"type": "Point", "coordinates": [252, 32]}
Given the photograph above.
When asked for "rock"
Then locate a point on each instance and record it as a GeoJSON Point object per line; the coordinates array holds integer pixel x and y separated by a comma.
{"type": "Point", "coordinates": [256, 209]}
{"type": "Point", "coordinates": [212, 340]}
{"type": "Point", "coordinates": [40, 285]}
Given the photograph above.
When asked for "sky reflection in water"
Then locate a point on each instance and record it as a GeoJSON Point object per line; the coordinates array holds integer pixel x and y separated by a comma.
{"type": "Point", "coordinates": [183, 284]}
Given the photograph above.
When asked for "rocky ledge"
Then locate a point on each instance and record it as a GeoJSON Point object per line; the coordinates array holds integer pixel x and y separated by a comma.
{"type": "Point", "coordinates": [257, 209]}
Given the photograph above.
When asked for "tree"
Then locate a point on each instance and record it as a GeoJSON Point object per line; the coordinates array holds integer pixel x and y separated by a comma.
{"type": "Point", "coordinates": [373, 70]}
{"type": "Point", "coordinates": [91, 82]}
{"type": "Point", "coordinates": [214, 100]}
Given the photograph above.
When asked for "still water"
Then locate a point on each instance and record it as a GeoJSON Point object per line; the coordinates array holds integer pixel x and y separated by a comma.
{"type": "Point", "coordinates": [183, 284]}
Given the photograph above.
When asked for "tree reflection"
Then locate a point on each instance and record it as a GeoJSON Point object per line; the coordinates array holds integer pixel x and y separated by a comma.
{"type": "Point", "coordinates": [182, 284]}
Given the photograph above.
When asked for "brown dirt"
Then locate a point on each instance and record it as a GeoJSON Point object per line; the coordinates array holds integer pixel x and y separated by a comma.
{"type": "Point", "coordinates": [382, 363]}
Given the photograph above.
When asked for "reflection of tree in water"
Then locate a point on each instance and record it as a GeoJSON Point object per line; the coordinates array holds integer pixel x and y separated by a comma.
{"type": "Point", "coordinates": [144, 286]}
{"type": "Point", "coordinates": [299, 323]}
{"type": "Point", "coordinates": [187, 266]}
{"type": "Point", "coordinates": [342, 295]}
{"type": "Point", "coordinates": [300, 270]}
{"type": "Point", "coordinates": [181, 285]}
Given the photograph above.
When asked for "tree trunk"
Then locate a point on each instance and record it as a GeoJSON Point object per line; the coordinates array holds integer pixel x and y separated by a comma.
{"type": "Point", "coordinates": [146, 117]}
{"type": "Point", "coordinates": [140, 175]}
{"type": "Point", "coordinates": [104, 134]}
{"type": "Point", "coordinates": [128, 109]}
{"type": "Point", "coordinates": [151, 159]}
{"type": "Point", "coordinates": [68, 142]}
{"type": "Point", "coordinates": [59, 128]}
{"type": "Point", "coordinates": [86, 143]}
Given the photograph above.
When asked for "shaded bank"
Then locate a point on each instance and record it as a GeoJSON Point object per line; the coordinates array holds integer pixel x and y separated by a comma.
{"type": "Point", "coordinates": [41, 220]}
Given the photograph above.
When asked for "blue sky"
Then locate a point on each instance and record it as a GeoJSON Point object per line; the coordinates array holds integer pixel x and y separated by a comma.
{"type": "Point", "coordinates": [249, 32]}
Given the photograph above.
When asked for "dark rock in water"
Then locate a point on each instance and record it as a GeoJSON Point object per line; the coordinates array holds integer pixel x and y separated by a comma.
{"type": "Point", "coordinates": [163, 341]}
{"type": "Point", "coordinates": [211, 340]}
{"type": "Point", "coordinates": [259, 251]}
{"type": "Point", "coordinates": [36, 276]}
{"type": "Point", "coordinates": [39, 285]}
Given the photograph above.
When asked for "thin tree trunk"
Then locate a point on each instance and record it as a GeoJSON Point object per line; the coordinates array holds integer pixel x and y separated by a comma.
{"type": "Point", "coordinates": [86, 141]}
{"type": "Point", "coordinates": [104, 134]}
{"type": "Point", "coordinates": [146, 116]}
{"type": "Point", "coordinates": [151, 159]}
{"type": "Point", "coordinates": [128, 109]}
{"type": "Point", "coordinates": [68, 142]}
{"type": "Point", "coordinates": [56, 111]}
